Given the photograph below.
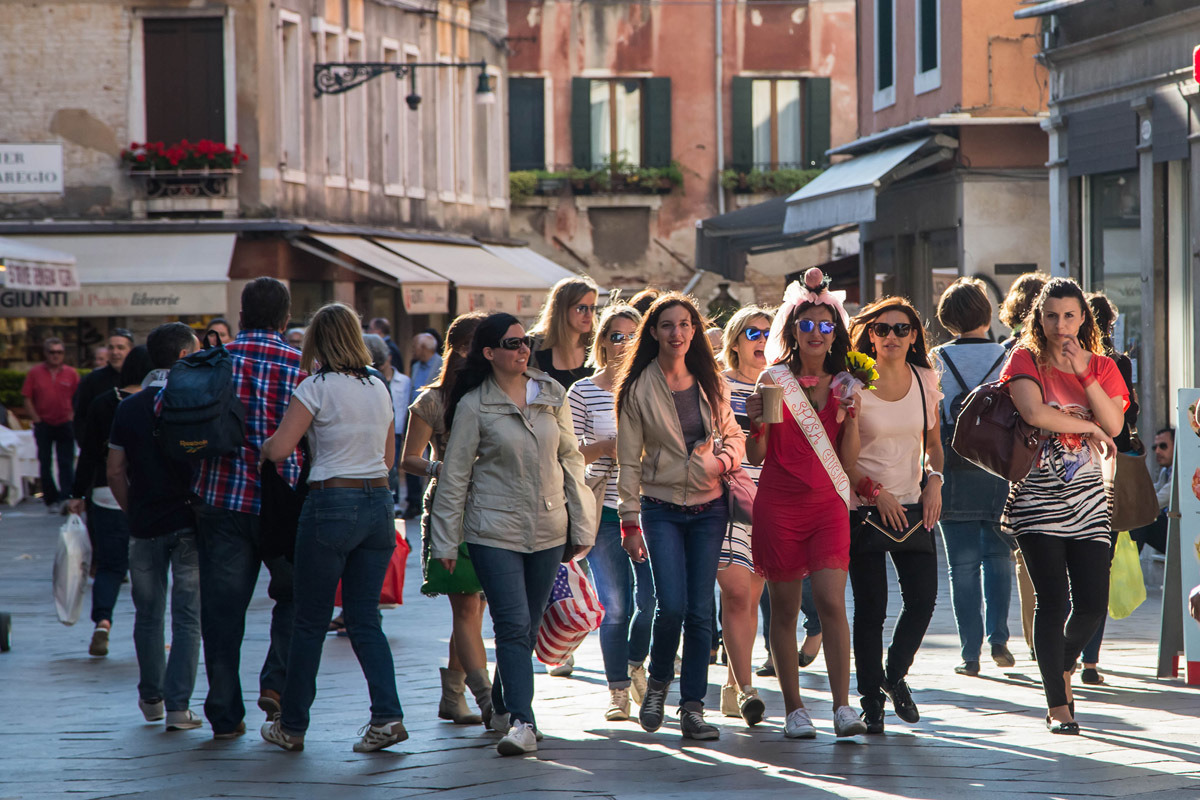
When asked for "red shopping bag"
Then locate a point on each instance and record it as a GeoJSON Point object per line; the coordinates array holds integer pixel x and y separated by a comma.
{"type": "Point", "coordinates": [574, 612]}
{"type": "Point", "coordinates": [393, 582]}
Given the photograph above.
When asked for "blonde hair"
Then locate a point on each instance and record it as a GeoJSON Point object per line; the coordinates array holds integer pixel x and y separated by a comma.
{"type": "Point", "coordinates": [334, 340]}
{"type": "Point", "coordinates": [552, 324]}
{"type": "Point", "coordinates": [611, 314]}
{"type": "Point", "coordinates": [733, 329]}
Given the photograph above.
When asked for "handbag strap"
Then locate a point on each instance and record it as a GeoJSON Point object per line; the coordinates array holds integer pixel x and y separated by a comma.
{"type": "Point", "coordinates": [924, 420]}
{"type": "Point", "coordinates": [812, 428]}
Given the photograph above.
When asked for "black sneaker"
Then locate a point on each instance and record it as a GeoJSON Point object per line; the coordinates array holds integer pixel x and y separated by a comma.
{"type": "Point", "coordinates": [968, 668]}
{"type": "Point", "coordinates": [650, 715]}
{"type": "Point", "coordinates": [902, 701]}
{"type": "Point", "coordinates": [694, 727]}
{"type": "Point", "coordinates": [1003, 656]}
{"type": "Point", "coordinates": [872, 715]}
{"type": "Point", "coordinates": [767, 670]}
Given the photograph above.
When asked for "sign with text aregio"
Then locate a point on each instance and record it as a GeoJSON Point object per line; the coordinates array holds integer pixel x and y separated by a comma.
{"type": "Point", "coordinates": [31, 169]}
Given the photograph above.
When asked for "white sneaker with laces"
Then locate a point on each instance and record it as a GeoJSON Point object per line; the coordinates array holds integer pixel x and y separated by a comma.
{"type": "Point", "coordinates": [799, 725]}
{"type": "Point", "coordinates": [377, 737]}
{"type": "Point", "coordinates": [273, 732]}
{"type": "Point", "coordinates": [618, 704]}
{"type": "Point", "coordinates": [848, 723]}
{"type": "Point", "coordinates": [185, 720]}
{"type": "Point", "coordinates": [520, 740]}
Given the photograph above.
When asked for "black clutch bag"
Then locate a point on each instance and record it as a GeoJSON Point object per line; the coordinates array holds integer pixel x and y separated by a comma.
{"type": "Point", "coordinates": [870, 534]}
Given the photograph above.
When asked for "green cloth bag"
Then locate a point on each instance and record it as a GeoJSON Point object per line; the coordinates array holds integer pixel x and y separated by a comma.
{"type": "Point", "coordinates": [439, 581]}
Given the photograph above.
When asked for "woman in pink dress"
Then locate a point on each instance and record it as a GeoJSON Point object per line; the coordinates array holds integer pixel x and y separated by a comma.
{"type": "Point", "coordinates": [801, 517]}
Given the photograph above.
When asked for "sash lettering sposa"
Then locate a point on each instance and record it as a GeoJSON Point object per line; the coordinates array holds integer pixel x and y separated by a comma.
{"type": "Point", "coordinates": [810, 424]}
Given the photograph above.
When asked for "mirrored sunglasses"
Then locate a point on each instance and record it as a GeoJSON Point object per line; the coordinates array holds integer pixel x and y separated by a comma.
{"type": "Point", "coordinates": [901, 329]}
{"type": "Point", "coordinates": [620, 338]}
{"type": "Point", "coordinates": [585, 309]}
{"type": "Point", "coordinates": [515, 342]}
{"type": "Point", "coordinates": [807, 325]}
{"type": "Point", "coordinates": [754, 334]}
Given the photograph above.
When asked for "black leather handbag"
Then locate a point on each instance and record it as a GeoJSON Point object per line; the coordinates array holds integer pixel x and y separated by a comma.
{"type": "Point", "coordinates": [870, 534]}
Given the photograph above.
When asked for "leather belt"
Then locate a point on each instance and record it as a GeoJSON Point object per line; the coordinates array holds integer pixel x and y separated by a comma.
{"type": "Point", "coordinates": [349, 483]}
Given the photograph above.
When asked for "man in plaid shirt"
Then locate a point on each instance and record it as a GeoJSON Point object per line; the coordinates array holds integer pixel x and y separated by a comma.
{"type": "Point", "coordinates": [266, 371]}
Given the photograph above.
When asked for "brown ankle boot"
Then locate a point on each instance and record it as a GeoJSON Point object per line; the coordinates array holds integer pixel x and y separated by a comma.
{"type": "Point", "coordinates": [481, 686]}
{"type": "Point", "coordinates": [454, 701]}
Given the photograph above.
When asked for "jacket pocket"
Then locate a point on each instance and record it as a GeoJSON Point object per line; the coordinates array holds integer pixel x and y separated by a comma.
{"type": "Point", "coordinates": [553, 518]}
{"type": "Point", "coordinates": [494, 516]}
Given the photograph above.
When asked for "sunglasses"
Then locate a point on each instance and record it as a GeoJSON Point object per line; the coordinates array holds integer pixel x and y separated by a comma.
{"type": "Point", "coordinates": [1161, 446]}
{"type": "Point", "coordinates": [516, 342]}
{"type": "Point", "coordinates": [881, 329]}
{"type": "Point", "coordinates": [754, 334]}
{"type": "Point", "coordinates": [807, 325]}
{"type": "Point", "coordinates": [620, 338]}
{"type": "Point", "coordinates": [585, 309]}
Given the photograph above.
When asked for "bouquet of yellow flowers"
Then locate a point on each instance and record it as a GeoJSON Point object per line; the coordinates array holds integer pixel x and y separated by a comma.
{"type": "Point", "coordinates": [862, 368]}
{"type": "Point", "coordinates": [860, 374]}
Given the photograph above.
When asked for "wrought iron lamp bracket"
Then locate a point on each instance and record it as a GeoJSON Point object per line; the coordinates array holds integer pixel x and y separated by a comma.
{"type": "Point", "coordinates": [338, 77]}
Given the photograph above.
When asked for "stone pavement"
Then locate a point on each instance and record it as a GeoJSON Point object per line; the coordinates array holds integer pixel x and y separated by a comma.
{"type": "Point", "coordinates": [71, 726]}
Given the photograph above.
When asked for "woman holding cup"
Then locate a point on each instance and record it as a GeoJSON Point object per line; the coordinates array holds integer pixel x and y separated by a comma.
{"type": "Point", "coordinates": [804, 428]}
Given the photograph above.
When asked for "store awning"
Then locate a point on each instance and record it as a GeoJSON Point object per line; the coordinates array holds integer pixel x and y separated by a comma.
{"type": "Point", "coordinates": [423, 291]}
{"type": "Point", "coordinates": [482, 281]}
{"type": "Point", "coordinates": [528, 260]}
{"type": "Point", "coordinates": [29, 267]}
{"type": "Point", "coordinates": [134, 274]}
{"type": "Point", "coordinates": [845, 193]}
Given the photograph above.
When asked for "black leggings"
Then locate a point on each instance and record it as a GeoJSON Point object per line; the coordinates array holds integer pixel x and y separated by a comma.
{"type": "Point", "coordinates": [918, 573]}
{"type": "Point", "coordinates": [1070, 582]}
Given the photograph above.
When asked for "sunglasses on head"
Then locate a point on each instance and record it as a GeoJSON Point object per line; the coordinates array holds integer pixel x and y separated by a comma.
{"type": "Point", "coordinates": [901, 329]}
{"type": "Point", "coordinates": [586, 309]}
{"type": "Point", "coordinates": [807, 325]}
{"type": "Point", "coordinates": [620, 338]}
{"type": "Point", "coordinates": [515, 342]}
{"type": "Point", "coordinates": [754, 334]}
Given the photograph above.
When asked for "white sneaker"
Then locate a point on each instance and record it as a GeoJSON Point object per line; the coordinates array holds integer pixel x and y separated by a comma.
{"type": "Point", "coordinates": [185, 720]}
{"type": "Point", "coordinates": [799, 725]}
{"type": "Point", "coordinates": [565, 669]}
{"type": "Point", "coordinates": [847, 723]}
{"type": "Point", "coordinates": [499, 723]}
{"type": "Point", "coordinates": [637, 685]}
{"type": "Point", "coordinates": [377, 737]}
{"type": "Point", "coordinates": [520, 740]}
{"type": "Point", "coordinates": [153, 712]}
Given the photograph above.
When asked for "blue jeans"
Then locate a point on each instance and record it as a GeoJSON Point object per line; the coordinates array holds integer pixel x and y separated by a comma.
{"type": "Point", "coordinates": [346, 535]}
{"type": "Point", "coordinates": [55, 440]}
{"type": "Point", "coordinates": [626, 591]}
{"type": "Point", "coordinates": [517, 586]}
{"type": "Point", "coordinates": [970, 547]}
{"type": "Point", "coordinates": [170, 679]}
{"type": "Point", "coordinates": [230, 560]}
{"type": "Point", "coordinates": [684, 550]}
{"type": "Point", "coordinates": [110, 555]}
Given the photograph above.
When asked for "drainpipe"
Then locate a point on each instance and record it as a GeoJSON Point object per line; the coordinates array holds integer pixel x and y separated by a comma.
{"type": "Point", "coordinates": [720, 96]}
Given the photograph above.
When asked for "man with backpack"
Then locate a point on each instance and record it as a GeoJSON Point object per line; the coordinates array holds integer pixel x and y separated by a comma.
{"type": "Point", "coordinates": [154, 491]}
{"type": "Point", "coordinates": [263, 373]}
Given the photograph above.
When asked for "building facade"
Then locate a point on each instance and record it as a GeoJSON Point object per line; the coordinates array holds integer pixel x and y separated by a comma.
{"type": "Point", "coordinates": [632, 121]}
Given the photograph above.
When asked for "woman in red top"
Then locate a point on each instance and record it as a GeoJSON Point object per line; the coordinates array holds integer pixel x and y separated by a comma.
{"type": "Point", "coordinates": [801, 517]}
{"type": "Point", "coordinates": [1060, 512]}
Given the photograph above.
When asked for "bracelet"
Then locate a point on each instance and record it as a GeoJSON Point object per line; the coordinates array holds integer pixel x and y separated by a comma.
{"type": "Point", "coordinates": [630, 529]}
{"type": "Point", "coordinates": [868, 489]}
{"type": "Point", "coordinates": [433, 468]}
{"type": "Point", "coordinates": [933, 473]}
{"type": "Point", "coordinates": [1087, 380]}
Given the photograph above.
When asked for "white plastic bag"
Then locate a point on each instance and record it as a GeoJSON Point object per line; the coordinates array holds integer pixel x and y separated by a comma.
{"type": "Point", "coordinates": [72, 563]}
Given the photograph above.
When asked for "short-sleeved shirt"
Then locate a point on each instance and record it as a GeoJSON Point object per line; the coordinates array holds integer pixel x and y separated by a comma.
{"type": "Point", "coordinates": [159, 488]}
{"type": "Point", "coordinates": [350, 415]}
{"type": "Point", "coordinates": [891, 436]}
{"type": "Point", "coordinates": [430, 409]}
{"type": "Point", "coordinates": [51, 393]}
{"type": "Point", "coordinates": [1062, 389]}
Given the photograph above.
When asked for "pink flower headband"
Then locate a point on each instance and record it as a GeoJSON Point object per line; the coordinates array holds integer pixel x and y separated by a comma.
{"type": "Point", "coordinates": [815, 290]}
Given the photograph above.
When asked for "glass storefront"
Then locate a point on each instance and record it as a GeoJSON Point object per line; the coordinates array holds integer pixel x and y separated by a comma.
{"type": "Point", "coordinates": [1114, 264]}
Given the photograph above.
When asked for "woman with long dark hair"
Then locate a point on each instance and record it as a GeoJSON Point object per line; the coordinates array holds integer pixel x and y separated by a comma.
{"type": "Point", "coordinates": [899, 462]}
{"type": "Point", "coordinates": [511, 487]}
{"type": "Point", "coordinates": [1060, 513]}
{"type": "Point", "coordinates": [801, 514]}
{"type": "Point", "coordinates": [676, 437]}
{"type": "Point", "coordinates": [346, 531]}
{"type": "Point", "coordinates": [466, 666]}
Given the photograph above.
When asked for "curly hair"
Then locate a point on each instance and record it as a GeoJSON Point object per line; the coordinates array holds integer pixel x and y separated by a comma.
{"type": "Point", "coordinates": [860, 334]}
{"type": "Point", "coordinates": [1033, 338]}
{"type": "Point", "coordinates": [1020, 297]}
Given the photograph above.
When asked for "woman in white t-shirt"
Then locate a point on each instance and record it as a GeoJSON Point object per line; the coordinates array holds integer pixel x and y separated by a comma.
{"type": "Point", "coordinates": [346, 530]}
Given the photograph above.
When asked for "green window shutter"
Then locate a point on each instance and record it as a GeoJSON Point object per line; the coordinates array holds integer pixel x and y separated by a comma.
{"type": "Point", "coordinates": [816, 126]}
{"type": "Point", "coordinates": [743, 125]}
{"type": "Point", "coordinates": [581, 123]}
{"type": "Point", "coordinates": [657, 121]}
{"type": "Point", "coordinates": [526, 124]}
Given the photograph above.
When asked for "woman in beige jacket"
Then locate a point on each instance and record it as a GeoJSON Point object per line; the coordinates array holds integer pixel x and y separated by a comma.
{"type": "Point", "coordinates": [512, 487]}
{"type": "Point", "coordinates": [676, 437]}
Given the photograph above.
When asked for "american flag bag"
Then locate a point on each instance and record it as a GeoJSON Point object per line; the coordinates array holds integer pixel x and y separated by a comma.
{"type": "Point", "coordinates": [574, 611]}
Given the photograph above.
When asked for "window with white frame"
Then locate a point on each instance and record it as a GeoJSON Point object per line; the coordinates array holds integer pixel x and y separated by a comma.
{"type": "Point", "coordinates": [356, 120]}
{"type": "Point", "coordinates": [777, 119]}
{"type": "Point", "coordinates": [885, 53]}
{"type": "Point", "coordinates": [393, 130]}
{"type": "Point", "coordinates": [333, 106]}
{"type": "Point", "coordinates": [928, 73]}
{"type": "Point", "coordinates": [291, 97]}
{"type": "Point", "coordinates": [495, 142]}
{"type": "Point", "coordinates": [616, 121]}
{"type": "Point", "coordinates": [464, 167]}
{"type": "Point", "coordinates": [446, 138]}
{"type": "Point", "coordinates": [413, 154]}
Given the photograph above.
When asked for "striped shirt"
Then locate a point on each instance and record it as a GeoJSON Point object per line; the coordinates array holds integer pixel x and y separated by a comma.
{"type": "Point", "coordinates": [595, 420]}
{"type": "Point", "coordinates": [738, 392]}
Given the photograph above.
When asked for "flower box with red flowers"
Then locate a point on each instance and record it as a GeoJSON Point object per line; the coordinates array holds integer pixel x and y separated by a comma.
{"type": "Point", "coordinates": [185, 156]}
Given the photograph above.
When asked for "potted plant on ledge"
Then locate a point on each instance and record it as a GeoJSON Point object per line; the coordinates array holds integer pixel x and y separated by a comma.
{"type": "Point", "coordinates": [184, 168]}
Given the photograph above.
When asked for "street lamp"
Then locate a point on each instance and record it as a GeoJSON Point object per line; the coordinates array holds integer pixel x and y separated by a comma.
{"type": "Point", "coordinates": [338, 77]}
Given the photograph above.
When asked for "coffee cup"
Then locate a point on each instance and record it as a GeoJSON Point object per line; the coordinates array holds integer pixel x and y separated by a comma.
{"type": "Point", "coordinates": [772, 403]}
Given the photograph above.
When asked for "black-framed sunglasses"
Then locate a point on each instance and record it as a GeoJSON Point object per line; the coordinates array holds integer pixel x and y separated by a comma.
{"type": "Point", "coordinates": [754, 334]}
{"type": "Point", "coordinates": [806, 326]}
{"type": "Point", "coordinates": [585, 309]}
{"type": "Point", "coordinates": [901, 329]}
{"type": "Point", "coordinates": [620, 338]}
{"type": "Point", "coordinates": [515, 342]}
{"type": "Point", "coordinates": [1161, 445]}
